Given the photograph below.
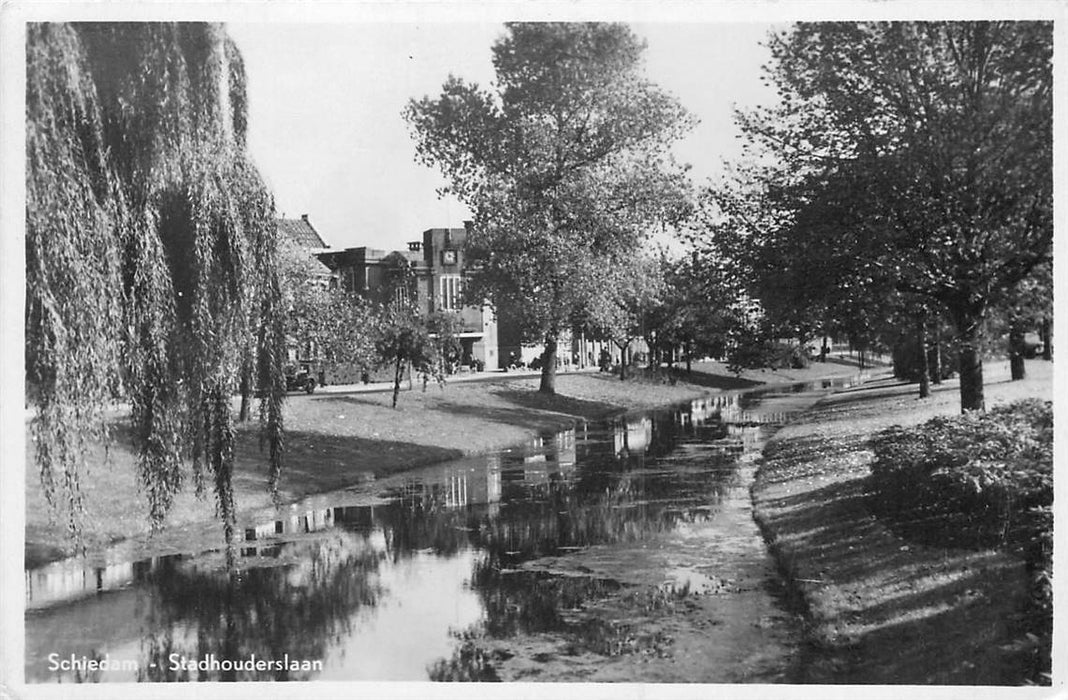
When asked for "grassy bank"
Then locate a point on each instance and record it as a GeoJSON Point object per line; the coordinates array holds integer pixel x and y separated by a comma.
{"type": "Point", "coordinates": [881, 608]}
{"type": "Point", "coordinates": [334, 440]}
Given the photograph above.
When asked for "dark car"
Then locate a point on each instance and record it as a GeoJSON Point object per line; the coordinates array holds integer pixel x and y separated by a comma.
{"type": "Point", "coordinates": [300, 378]}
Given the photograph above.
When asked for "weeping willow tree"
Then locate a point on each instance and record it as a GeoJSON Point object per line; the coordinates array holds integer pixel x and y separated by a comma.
{"type": "Point", "coordinates": [150, 258]}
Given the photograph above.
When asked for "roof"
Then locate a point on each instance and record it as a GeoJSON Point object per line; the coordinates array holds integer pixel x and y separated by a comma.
{"type": "Point", "coordinates": [362, 255]}
{"type": "Point", "coordinates": [301, 232]}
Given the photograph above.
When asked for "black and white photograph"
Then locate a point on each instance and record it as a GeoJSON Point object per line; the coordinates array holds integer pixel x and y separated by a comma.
{"type": "Point", "coordinates": [599, 350]}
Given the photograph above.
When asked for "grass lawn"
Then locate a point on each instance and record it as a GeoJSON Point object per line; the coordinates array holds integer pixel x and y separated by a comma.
{"type": "Point", "coordinates": [880, 608]}
{"type": "Point", "coordinates": [334, 440]}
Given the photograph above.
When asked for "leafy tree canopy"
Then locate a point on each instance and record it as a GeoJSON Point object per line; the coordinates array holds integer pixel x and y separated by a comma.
{"type": "Point", "coordinates": [150, 255]}
{"type": "Point", "coordinates": [564, 163]}
{"type": "Point", "coordinates": [921, 150]}
{"type": "Point", "coordinates": [408, 340]}
{"type": "Point", "coordinates": [339, 325]}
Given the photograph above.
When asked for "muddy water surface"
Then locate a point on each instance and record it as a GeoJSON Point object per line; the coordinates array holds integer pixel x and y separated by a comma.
{"type": "Point", "coordinates": [622, 550]}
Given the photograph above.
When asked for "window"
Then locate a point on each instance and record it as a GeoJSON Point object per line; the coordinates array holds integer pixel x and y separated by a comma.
{"type": "Point", "coordinates": [450, 292]}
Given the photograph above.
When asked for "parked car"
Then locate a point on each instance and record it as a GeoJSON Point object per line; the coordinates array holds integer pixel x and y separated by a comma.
{"type": "Point", "coordinates": [299, 377]}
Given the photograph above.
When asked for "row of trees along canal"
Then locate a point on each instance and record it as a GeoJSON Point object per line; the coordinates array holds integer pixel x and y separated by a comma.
{"type": "Point", "coordinates": [903, 183]}
{"type": "Point", "coordinates": [904, 177]}
{"type": "Point", "coordinates": [906, 173]}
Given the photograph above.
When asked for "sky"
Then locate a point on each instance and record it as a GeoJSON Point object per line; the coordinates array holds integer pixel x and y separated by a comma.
{"type": "Point", "coordinates": [325, 103]}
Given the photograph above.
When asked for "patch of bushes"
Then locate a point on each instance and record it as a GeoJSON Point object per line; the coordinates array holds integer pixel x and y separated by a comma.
{"type": "Point", "coordinates": [654, 375]}
{"type": "Point", "coordinates": [991, 473]}
{"type": "Point", "coordinates": [906, 358]}
{"type": "Point", "coordinates": [981, 480]}
{"type": "Point", "coordinates": [754, 352]}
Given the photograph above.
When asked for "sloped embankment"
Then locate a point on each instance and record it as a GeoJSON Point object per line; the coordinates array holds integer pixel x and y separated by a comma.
{"type": "Point", "coordinates": [880, 608]}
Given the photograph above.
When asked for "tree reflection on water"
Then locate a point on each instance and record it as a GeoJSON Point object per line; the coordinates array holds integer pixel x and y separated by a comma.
{"type": "Point", "coordinates": [269, 611]}
{"type": "Point", "coordinates": [304, 593]}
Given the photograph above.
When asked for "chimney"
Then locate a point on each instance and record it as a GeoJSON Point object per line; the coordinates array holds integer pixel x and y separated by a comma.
{"type": "Point", "coordinates": [304, 217]}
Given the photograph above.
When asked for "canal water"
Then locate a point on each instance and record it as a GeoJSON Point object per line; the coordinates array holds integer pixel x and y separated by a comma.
{"type": "Point", "coordinates": [620, 550]}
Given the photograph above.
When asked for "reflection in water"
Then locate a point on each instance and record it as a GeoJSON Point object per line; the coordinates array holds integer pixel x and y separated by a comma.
{"type": "Point", "coordinates": [386, 591]}
{"type": "Point", "coordinates": [268, 611]}
{"type": "Point", "coordinates": [632, 437]}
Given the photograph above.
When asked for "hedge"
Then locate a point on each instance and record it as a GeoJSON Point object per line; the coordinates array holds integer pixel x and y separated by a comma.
{"type": "Point", "coordinates": [977, 479]}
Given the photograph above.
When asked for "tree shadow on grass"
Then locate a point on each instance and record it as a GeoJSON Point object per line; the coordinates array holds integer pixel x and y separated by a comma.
{"type": "Point", "coordinates": [317, 462]}
{"type": "Point", "coordinates": [903, 613]}
{"type": "Point", "coordinates": [533, 410]}
{"type": "Point", "coordinates": [371, 398]}
{"type": "Point", "coordinates": [556, 403]}
{"type": "Point", "coordinates": [531, 419]}
{"type": "Point", "coordinates": [314, 461]}
{"type": "Point", "coordinates": [934, 645]}
{"type": "Point", "coordinates": [870, 392]}
{"type": "Point", "coordinates": [529, 409]}
{"type": "Point", "coordinates": [715, 381]}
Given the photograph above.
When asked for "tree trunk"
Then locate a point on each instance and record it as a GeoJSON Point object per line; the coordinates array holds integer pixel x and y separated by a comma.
{"type": "Point", "coordinates": [936, 376]}
{"type": "Point", "coordinates": [398, 374]}
{"type": "Point", "coordinates": [548, 365]}
{"type": "Point", "coordinates": [921, 342]}
{"type": "Point", "coordinates": [623, 361]}
{"type": "Point", "coordinates": [1016, 351]}
{"type": "Point", "coordinates": [246, 394]}
{"type": "Point", "coordinates": [689, 357]}
{"type": "Point", "coordinates": [1047, 339]}
{"type": "Point", "coordinates": [969, 323]}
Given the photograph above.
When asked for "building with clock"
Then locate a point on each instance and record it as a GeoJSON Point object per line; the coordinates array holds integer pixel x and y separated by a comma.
{"type": "Point", "coordinates": [438, 265]}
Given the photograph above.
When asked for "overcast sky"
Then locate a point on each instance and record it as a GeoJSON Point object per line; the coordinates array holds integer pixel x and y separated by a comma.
{"type": "Point", "coordinates": [325, 103]}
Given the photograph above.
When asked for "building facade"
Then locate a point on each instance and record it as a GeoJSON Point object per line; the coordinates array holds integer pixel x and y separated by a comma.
{"type": "Point", "coordinates": [437, 263]}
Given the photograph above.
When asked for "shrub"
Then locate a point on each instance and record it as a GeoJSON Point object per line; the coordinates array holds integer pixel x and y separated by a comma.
{"type": "Point", "coordinates": [755, 352]}
{"type": "Point", "coordinates": [986, 471]}
{"type": "Point", "coordinates": [984, 479]}
{"type": "Point", "coordinates": [906, 358]}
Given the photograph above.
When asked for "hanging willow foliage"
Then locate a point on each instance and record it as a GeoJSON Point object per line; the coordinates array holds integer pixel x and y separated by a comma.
{"type": "Point", "coordinates": [150, 257]}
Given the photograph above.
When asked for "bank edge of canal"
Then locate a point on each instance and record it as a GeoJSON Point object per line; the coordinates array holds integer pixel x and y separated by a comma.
{"type": "Point", "coordinates": [697, 604]}
{"type": "Point", "coordinates": [336, 441]}
{"type": "Point", "coordinates": [735, 626]}
{"type": "Point", "coordinates": [876, 608]}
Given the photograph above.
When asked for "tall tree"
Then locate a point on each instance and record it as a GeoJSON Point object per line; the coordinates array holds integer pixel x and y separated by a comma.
{"type": "Point", "coordinates": [150, 255]}
{"type": "Point", "coordinates": [944, 130]}
{"type": "Point", "coordinates": [564, 164]}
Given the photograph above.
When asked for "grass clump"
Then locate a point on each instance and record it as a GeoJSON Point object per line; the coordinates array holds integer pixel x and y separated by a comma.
{"type": "Point", "coordinates": [978, 480]}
